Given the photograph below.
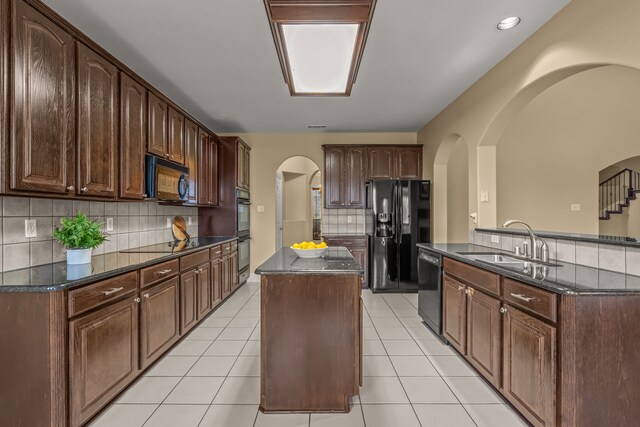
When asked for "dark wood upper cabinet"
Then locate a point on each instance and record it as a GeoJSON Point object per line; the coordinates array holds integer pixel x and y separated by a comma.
{"type": "Point", "coordinates": [247, 167]}
{"type": "Point", "coordinates": [356, 171]}
{"type": "Point", "coordinates": [381, 162]}
{"type": "Point", "coordinates": [243, 159]}
{"type": "Point", "coordinates": [208, 193]}
{"type": "Point", "coordinates": [133, 138]}
{"type": "Point", "coordinates": [484, 335]}
{"type": "Point", "coordinates": [159, 320]}
{"type": "Point", "coordinates": [97, 124]}
{"type": "Point", "coordinates": [191, 159]}
{"type": "Point", "coordinates": [42, 145]}
{"type": "Point", "coordinates": [176, 136]}
{"type": "Point", "coordinates": [529, 366]}
{"type": "Point", "coordinates": [157, 141]}
{"type": "Point", "coordinates": [334, 177]}
{"type": "Point", "coordinates": [454, 313]}
{"type": "Point", "coordinates": [212, 164]}
{"type": "Point", "coordinates": [103, 357]}
{"type": "Point", "coordinates": [409, 162]}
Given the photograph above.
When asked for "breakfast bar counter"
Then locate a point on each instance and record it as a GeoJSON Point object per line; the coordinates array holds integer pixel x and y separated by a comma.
{"type": "Point", "coordinates": [311, 332]}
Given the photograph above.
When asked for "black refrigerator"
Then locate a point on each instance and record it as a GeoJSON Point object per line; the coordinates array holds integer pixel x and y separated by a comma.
{"type": "Point", "coordinates": [397, 218]}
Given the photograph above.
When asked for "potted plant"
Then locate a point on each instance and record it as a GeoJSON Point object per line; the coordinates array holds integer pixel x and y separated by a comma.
{"type": "Point", "coordinates": [79, 236]}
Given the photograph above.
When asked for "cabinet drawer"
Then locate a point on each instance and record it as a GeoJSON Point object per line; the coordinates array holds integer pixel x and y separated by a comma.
{"type": "Point", "coordinates": [216, 252]}
{"type": "Point", "coordinates": [226, 248]}
{"type": "Point", "coordinates": [193, 260]}
{"type": "Point", "coordinates": [152, 275]}
{"type": "Point", "coordinates": [92, 296]}
{"type": "Point", "coordinates": [347, 242]}
{"type": "Point", "coordinates": [477, 277]}
{"type": "Point", "coordinates": [537, 301]}
{"type": "Point", "coordinates": [234, 246]}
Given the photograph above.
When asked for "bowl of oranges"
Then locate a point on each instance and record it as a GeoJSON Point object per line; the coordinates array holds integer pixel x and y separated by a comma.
{"type": "Point", "coordinates": [309, 249]}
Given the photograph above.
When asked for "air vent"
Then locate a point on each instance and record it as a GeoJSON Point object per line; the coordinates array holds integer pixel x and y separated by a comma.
{"type": "Point", "coordinates": [316, 126]}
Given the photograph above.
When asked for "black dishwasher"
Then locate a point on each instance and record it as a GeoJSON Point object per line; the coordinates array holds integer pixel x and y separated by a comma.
{"type": "Point", "coordinates": [430, 290]}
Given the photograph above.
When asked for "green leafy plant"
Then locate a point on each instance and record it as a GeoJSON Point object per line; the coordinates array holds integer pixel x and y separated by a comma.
{"type": "Point", "coordinates": [79, 232]}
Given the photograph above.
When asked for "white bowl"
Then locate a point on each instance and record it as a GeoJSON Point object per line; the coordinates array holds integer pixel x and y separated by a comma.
{"type": "Point", "coordinates": [309, 253]}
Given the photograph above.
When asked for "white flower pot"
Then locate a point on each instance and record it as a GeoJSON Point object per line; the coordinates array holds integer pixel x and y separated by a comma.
{"type": "Point", "coordinates": [79, 256]}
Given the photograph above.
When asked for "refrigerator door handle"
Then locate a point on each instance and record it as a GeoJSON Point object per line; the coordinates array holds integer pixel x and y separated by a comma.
{"type": "Point", "coordinates": [400, 212]}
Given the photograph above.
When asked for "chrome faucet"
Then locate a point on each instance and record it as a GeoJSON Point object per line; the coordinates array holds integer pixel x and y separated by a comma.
{"type": "Point", "coordinates": [536, 253]}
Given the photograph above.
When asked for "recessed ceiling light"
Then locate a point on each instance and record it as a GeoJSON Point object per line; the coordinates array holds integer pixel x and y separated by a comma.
{"type": "Point", "coordinates": [508, 23]}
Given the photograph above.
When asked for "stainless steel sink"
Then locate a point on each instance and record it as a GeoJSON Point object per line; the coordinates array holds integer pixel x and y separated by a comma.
{"type": "Point", "coordinates": [505, 260]}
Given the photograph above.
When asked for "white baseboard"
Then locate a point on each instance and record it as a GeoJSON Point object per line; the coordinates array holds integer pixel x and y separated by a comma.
{"type": "Point", "coordinates": [253, 277]}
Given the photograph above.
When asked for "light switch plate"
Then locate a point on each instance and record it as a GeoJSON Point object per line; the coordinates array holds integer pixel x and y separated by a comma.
{"type": "Point", "coordinates": [349, 219]}
{"type": "Point", "coordinates": [260, 208]}
{"type": "Point", "coordinates": [30, 228]}
{"type": "Point", "coordinates": [109, 224]}
{"type": "Point", "coordinates": [575, 207]}
{"type": "Point", "coordinates": [168, 222]}
{"type": "Point", "coordinates": [484, 196]}
{"type": "Point", "coordinates": [189, 221]}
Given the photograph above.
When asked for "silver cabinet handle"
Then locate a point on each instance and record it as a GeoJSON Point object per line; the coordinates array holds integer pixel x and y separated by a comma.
{"type": "Point", "coordinates": [71, 188]}
{"type": "Point", "coordinates": [145, 195]}
{"type": "Point", "coordinates": [162, 272]}
{"type": "Point", "coordinates": [83, 189]}
{"type": "Point", "coordinates": [522, 297]}
{"type": "Point", "coordinates": [460, 288]}
{"type": "Point", "coordinates": [146, 296]}
{"type": "Point", "coordinates": [136, 300]}
{"type": "Point", "coordinates": [503, 310]}
{"type": "Point", "coordinates": [111, 291]}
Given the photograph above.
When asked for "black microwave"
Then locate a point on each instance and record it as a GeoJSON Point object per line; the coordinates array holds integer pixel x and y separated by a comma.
{"type": "Point", "coordinates": [166, 180]}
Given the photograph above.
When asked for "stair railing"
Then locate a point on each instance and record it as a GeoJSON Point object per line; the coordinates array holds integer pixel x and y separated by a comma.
{"type": "Point", "coordinates": [617, 192]}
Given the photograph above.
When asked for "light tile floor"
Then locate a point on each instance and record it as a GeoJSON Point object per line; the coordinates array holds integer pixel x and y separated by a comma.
{"type": "Point", "coordinates": [211, 379]}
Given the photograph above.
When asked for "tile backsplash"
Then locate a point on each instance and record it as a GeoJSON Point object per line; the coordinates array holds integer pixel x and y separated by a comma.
{"type": "Point", "coordinates": [620, 259]}
{"type": "Point", "coordinates": [134, 224]}
{"type": "Point", "coordinates": [343, 221]}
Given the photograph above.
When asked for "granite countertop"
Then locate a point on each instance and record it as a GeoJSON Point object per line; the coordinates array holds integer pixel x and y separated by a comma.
{"type": "Point", "coordinates": [336, 260]}
{"type": "Point", "coordinates": [578, 237]}
{"type": "Point", "coordinates": [563, 278]}
{"type": "Point", "coordinates": [58, 276]}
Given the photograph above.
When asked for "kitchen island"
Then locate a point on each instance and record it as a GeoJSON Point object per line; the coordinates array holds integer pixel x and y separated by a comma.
{"type": "Point", "coordinates": [311, 332]}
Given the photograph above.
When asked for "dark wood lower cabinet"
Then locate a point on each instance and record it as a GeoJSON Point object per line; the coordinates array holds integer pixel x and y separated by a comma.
{"type": "Point", "coordinates": [204, 290]}
{"type": "Point", "coordinates": [484, 335]}
{"type": "Point", "coordinates": [103, 357]}
{"type": "Point", "coordinates": [159, 320]}
{"type": "Point", "coordinates": [530, 366]}
{"type": "Point", "coordinates": [225, 276]}
{"type": "Point", "coordinates": [188, 301]}
{"type": "Point", "coordinates": [216, 283]}
{"type": "Point", "coordinates": [233, 271]}
{"type": "Point", "coordinates": [454, 313]}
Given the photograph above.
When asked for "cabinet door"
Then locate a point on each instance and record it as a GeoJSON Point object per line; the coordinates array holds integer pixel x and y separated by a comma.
{"type": "Point", "coordinates": [356, 176]}
{"type": "Point", "coordinates": [530, 366]}
{"type": "Point", "coordinates": [334, 177]}
{"type": "Point", "coordinates": [103, 357]}
{"type": "Point", "coordinates": [247, 168]}
{"type": "Point", "coordinates": [233, 271]}
{"type": "Point", "coordinates": [216, 283]}
{"type": "Point", "coordinates": [225, 277]}
{"type": "Point", "coordinates": [382, 162]}
{"type": "Point", "coordinates": [191, 154]}
{"type": "Point", "coordinates": [157, 141]}
{"type": "Point", "coordinates": [43, 122]}
{"type": "Point", "coordinates": [484, 335]}
{"type": "Point", "coordinates": [203, 168]}
{"type": "Point", "coordinates": [159, 320]}
{"type": "Point", "coordinates": [240, 165]}
{"type": "Point", "coordinates": [133, 137]}
{"type": "Point", "coordinates": [212, 161]}
{"type": "Point", "coordinates": [409, 162]}
{"type": "Point", "coordinates": [360, 254]}
{"type": "Point", "coordinates": [454, 322]}
{"type": "Point", "coordinates": [204, 290]}
{"type": "Point", "coordinates": [188, 301]}
{"type": "Point", "coordinates": [97, 124]}
{"type": "Point", "coordinates": [175, 138]}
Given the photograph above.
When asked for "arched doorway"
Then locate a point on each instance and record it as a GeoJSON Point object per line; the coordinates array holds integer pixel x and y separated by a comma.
{"type": "Point", "coordinates": [298, 201]}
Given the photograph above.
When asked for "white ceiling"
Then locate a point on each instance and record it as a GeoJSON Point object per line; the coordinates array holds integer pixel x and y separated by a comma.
{"type": "Point", "coordinates": [216, 58]}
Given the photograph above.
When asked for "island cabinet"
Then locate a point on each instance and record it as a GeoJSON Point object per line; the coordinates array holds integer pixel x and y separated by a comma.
{"type": "Point", "coordinates": [133, 138]}
{"type": "Point", "coordinates": [97, 124]}
{"type": "Point", "coordinates": [42, 142]}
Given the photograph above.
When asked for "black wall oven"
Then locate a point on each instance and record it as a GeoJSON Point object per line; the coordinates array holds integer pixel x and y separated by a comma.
{"type": "Point", "coordinates": [244, 204]}
{"type": "Point", "coordinates": [244, 256]}
{"type": "Point", "coordinates": [244, 237]}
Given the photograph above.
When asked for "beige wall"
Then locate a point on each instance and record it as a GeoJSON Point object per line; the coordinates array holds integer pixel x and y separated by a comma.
{"type": "Point", "coordinates": [495, 111]}
{"type": "Point", "coordinates": [457, 194]}
{"type": "Point", "coordinates": [268, 151]}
